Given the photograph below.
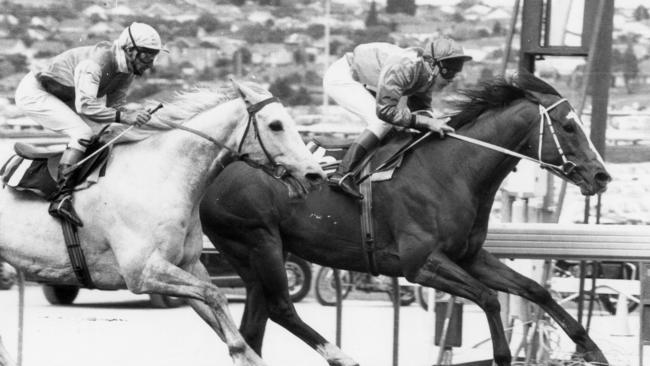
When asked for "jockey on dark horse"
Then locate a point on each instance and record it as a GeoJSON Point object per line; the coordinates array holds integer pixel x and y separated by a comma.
{"type": "Point", "coordinates": [391, 73]}
{"type": "Point", "coordinates": [67, 91]}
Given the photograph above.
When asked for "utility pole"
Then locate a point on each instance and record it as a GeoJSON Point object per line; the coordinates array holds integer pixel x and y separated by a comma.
{"type": "Point", "coordinates": [327, 51]}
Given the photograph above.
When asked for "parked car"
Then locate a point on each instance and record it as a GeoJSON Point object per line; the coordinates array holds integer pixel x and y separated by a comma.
{"type": "Point", "coordinates": [221, 273]}
{"type": "Point", "coordinates": [299, 273]}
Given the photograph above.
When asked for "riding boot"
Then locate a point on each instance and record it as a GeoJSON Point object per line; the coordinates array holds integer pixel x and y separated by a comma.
{"type": "Point", "coordinates": [61, 204]}
{"type": "Point", "coordinates": [343, 178]}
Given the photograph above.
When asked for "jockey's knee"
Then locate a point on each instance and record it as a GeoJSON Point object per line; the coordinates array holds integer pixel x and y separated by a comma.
{"type": "Point", "coordinates": [81, 132]}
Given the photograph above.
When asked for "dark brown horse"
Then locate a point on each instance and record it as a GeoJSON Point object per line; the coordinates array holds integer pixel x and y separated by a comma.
{"type": "Point", "coordinates": [431, 219]}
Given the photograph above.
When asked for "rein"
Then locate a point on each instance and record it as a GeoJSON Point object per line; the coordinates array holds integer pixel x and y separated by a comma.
{"type": "Point", "coordinates": [565, 169]}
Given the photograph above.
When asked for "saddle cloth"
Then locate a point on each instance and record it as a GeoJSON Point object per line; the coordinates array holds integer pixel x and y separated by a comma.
{"type": "Point", "coordinates": [329, 152]}
{"type": "Point", "coordinates": [34, 168]}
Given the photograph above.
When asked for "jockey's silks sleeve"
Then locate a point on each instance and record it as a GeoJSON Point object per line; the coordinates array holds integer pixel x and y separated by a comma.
{"type": "Point", "coordinates": [398, 78]}
{"type": "Point", "coordinates": [87, 76]}
{"type": "Point", "coordinates": [117, 98]}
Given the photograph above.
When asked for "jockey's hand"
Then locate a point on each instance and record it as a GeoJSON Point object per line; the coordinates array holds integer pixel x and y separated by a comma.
{"type": "Point", "coordinates": [136, 117]}
{"type": "Point", "coordinates": [435, 124]}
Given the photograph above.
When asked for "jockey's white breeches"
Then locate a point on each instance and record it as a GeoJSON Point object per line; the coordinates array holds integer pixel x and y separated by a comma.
{"type": "Point", "coordinates": [353, 96]}
{"type": "Point", "coordinates": [50, 112]}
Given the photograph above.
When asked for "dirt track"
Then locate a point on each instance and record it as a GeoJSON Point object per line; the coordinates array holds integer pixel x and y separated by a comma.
{"type": "Point", "coordinates": [119, 328]}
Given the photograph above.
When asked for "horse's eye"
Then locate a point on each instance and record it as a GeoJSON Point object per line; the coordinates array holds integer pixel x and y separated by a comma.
{"type": "Point", "coordinates": [569, 128]}
{"type": "Point", "coordinates": [276, 126]}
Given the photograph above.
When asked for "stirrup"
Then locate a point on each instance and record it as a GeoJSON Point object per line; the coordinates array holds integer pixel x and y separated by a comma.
{"type": "Point", "coordinates": [63, 209]}
{"type": "Point", "coordinates": [347, 186]}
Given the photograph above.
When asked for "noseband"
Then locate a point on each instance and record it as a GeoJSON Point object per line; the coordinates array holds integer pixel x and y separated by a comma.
{"type": "Point", "coordinates": [567, 165]}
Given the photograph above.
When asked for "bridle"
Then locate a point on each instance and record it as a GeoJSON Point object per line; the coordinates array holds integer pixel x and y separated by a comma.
{"type": "Point", "coordinates": [273, 168]}
{"type": "Point", "coordinates": [563, 169]}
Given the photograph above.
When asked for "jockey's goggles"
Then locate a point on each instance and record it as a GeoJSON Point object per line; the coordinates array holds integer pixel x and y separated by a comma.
{"type": "Point", "coordinates": [450, 67]}
{"type": "Point", "coordinates": [145, 55]}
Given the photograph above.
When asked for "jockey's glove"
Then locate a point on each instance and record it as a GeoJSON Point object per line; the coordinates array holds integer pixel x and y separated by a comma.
{"type": "Point", "coordinates": [137, 117]}
{"type": "Point", "coordinates": [435, 124]}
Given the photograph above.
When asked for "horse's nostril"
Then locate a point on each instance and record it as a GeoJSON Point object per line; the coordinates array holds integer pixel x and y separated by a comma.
{"type": "Point", "coordinates": [603, 177]}
{"type": "Point", "coordinates": [314, 177]}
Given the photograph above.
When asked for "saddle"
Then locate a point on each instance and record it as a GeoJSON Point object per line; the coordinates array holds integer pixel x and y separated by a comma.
{"type": "Point", "coordinates": [381, 164]}
{"type": "Point", "coordinates": [33, 168]}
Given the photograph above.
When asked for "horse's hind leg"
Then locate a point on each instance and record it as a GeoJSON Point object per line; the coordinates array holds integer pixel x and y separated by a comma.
{"type": "Point", "coordinates": [239, 349]}
{"type": "Point", "coordinates": [5, 358]}
{"type": "Point", "coordinates": [443, 274]}
{"type": "Point", "coordinates": [157, 275]}
{"type": "Point", "coordinates": [500, 277]}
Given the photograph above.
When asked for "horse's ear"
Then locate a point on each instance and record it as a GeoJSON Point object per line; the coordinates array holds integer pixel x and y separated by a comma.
{"type": "Point", "coordinates": [239, 88]}
{"type": "Point", "coordinates": [248, 95]}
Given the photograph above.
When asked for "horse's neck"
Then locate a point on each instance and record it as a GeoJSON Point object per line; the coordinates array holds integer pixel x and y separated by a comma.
{"type": "Point", "coordinates": [483, 170]}
{"type": "Point", "coordinates": [189, 158]}
{"type": "Point", "coordinates": [510, 129]}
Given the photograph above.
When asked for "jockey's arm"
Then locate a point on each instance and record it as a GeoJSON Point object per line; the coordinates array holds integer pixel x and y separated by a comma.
{"type": "Point", "coordinates": [394, 78]}
{"type": "Point", "coordinates": [420, 101]}
{"type": "Point", "coordinates": [87, 75]}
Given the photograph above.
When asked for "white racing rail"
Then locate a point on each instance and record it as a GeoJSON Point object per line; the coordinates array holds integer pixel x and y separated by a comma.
{"type": "Point", "coordinates": [629, 243]}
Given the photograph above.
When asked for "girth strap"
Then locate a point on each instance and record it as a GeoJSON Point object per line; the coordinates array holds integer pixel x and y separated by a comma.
{"type": "Point", "coordinates": [77, 258]}
{"type": "Point", "coordinates": [367, 229]}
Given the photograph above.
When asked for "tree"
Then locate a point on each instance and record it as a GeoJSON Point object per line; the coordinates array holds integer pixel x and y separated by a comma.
{"type": "Point", "coordinates": [371, 34]}
{"type": "Point", "coordinates": [401, 6]}
{"type": "Point", "coordinates": [246, 55]}
{"type": "Point", "coordinates": [641, 13]}
{"type": "Point", "coordinates": [208, 22]}
{"type": "Point", "coordinates": [630, 67]}
{"type": "Point", "coordinates": [458, 17]}
{"type": "Point", "coordinates": [371, 19]}
{"type": "Point", "coordinates": [497, 29]}
{"type": "Point", "coordinates": [316, 31]}
{"type": "Point", "coordinates": [281, 89]}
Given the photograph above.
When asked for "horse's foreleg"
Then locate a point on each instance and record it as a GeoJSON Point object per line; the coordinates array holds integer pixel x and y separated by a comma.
{"type": "Point", "coordinates": [162, 277]}
{"type": "Point", "coordinates": [5, 358]}
{"type": "Point", "coordinates": [500, 277]}
{"type": "Point", "coordinates": [443, 274]}
{"type": "Point", "coordinates": [253, 322]}
{"type": "Point", "coordinates": [268, 264]}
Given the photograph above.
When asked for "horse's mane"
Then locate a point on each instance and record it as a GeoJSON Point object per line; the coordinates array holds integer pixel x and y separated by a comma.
{"type": "Point", "coordinates": [182, 107]}
{"type": "Point", "coordinates": [495, 93]}
{"type": "Point", "coordinates": [187, 104]}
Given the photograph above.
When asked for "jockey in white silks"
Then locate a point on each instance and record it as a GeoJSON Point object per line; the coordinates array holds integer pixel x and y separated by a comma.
{"type": "Point", "coordinates": [371, 80]}
{"type": "Point", "coordinates": [66, 95]}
